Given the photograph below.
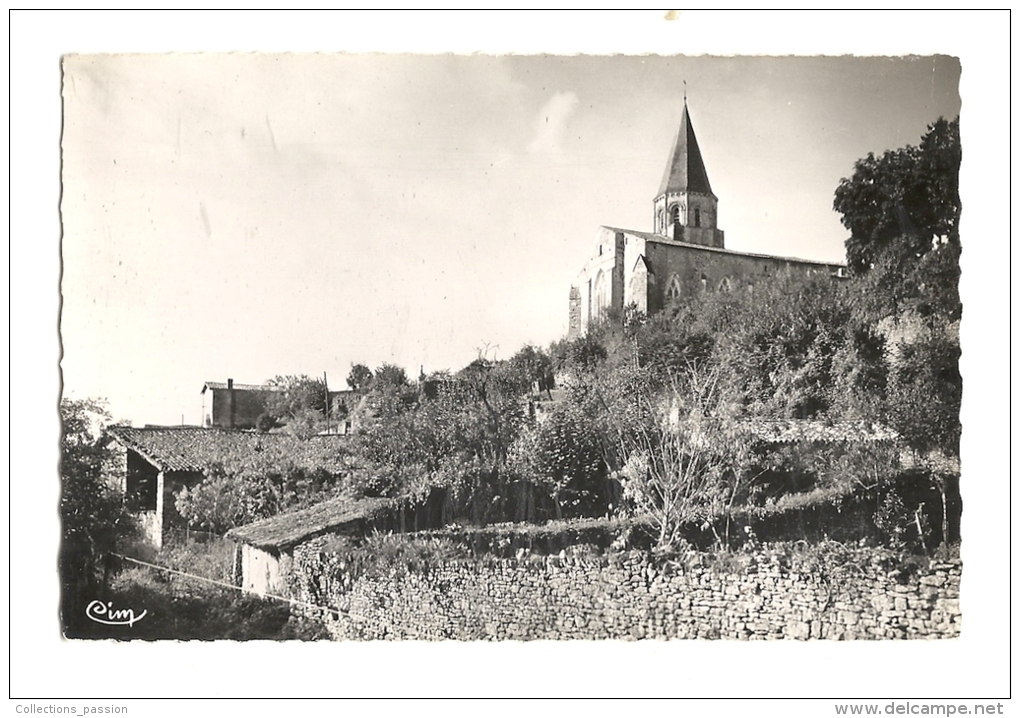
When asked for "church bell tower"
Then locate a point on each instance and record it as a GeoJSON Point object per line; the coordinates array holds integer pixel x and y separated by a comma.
{"type": "Point", "coordinates": [685, 207]}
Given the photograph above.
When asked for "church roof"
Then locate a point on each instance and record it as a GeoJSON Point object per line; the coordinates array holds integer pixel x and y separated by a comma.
{"type": "Point", "coordinates": [685, 171]}
{"type": "Point", "coordinates": [660, 239]}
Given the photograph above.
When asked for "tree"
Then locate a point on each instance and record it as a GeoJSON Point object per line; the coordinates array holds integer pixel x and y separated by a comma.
{"type": "Point", "coordinates": [360, 378]}
{"type": "Point", "coordinates": [390, 375]}
{"type": "Point", "coordinates": [562, 456]}
{"type": "Point", "coordinates": [299, 403]}
{"type": "Point", "coordinates": [910, 194]}
{"type": "Point", "coordinates": [91, 507]}
{"type": "Point", "coordinates": [537, 366]}
{"type": "Point", "coordinates": [903, 211]}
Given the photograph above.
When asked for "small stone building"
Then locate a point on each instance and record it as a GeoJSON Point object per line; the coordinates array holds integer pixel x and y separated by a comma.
{"type": "Point", "coordinates": [684, 255]}
{"type": "Point", "coordinates": [160, 461]}
{"type": "Point", "coordinates": [266, 548]}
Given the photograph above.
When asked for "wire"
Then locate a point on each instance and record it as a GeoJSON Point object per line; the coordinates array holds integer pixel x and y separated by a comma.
{"type": "Point", "coordinates": [292, 601]}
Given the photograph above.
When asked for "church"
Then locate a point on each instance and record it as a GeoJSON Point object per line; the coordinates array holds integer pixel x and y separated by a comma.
{"type": "Point", "coordinates": [684, 254]}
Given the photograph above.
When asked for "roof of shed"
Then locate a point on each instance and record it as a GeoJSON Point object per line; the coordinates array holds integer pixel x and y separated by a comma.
{"type": "Point", "coordinates": [196, 449]}
{"type": "Point", "coordinates": [288, 529]}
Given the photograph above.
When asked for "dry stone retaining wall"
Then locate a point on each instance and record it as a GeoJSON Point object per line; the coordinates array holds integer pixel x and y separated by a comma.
{"type": "Point", "coordinates": [632, 596]}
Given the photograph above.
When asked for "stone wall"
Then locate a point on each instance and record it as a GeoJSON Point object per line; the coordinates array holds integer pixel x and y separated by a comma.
{"type": "Point", "coordinates": [690, 263]}
{"type": "Point", "coordinates": [633, 596]}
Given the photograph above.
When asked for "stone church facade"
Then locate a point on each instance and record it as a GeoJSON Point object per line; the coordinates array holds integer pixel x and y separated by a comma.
{"type": "Point", "coordinates": [685, 254]}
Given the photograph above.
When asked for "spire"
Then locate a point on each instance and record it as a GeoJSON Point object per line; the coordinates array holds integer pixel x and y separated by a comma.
{"type": "Point", "coordinates": [686, 170]}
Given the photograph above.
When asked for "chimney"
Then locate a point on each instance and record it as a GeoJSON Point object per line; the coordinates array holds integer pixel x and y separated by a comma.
{"type": "Point", "coordinates": [230, 404]}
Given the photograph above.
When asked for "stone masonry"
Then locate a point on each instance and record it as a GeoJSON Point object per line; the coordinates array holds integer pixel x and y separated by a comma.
{"type": "Point", "coordinates": [631, 596]}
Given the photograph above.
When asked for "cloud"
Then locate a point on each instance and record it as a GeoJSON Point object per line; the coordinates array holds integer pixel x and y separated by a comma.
{"type": "Point", "coordinates": [552, 122]}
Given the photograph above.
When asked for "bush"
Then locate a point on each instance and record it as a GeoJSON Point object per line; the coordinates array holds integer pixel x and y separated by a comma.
{"type": "Point", "coordinates": [182, 608]}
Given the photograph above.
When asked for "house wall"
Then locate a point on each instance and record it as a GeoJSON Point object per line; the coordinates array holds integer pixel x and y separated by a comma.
{"type": "Point", "coordinates": [141, 484]}
{"type": "Point", "coordinates": [249, 405]}
{"type": "Point", "coordinates": [262, 571]}
{"type": "Point", "coordinates": [631, 596]}
{"type": "Point", "coordinates": [143, 497]}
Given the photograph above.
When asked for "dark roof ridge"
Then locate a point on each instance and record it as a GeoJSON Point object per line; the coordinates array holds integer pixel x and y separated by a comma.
{"type": "Point", "coordinates": [661, 239]}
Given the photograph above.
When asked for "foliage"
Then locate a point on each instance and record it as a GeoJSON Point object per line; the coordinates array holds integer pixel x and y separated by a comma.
{"type": "Point", "coordinates": [246, 486]}
{"type": "Point", "coordinates": [299, 403]}
{"type": "Point", "coordinates": [910, 194]}
{"type": "Point", "coordinates": [508, 539]}
{"type": "Point", "coordinates": [903, 211]}
{"type": "Point", "coordinates": [925, 394]}
{"type": "Point", "coordinates": [384, 554]}
{"type": "Point", "coordinates": [91, 508]}
{"type": "Point", "coordinates": [182, 608]}
{"type": "Point", "coordinates": [562, 455]}
{"type": "Point", "coordinates": [359, 378]}
{"type": "Point", "coordinates": [208, 555]}
{"type": "Point", "coordinates": [536, 366]}
{"type": "Point", "coordinates": [389, 376]}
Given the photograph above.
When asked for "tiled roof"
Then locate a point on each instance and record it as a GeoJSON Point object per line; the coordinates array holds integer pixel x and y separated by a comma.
{"type": "Point", "coordinates": [196, 449]}
{"type": "Point", "coordinates": [787, 431]}
{"type": "Point", "coordinates": [661, 239]}
{"type": "Point", "coordinates": [238, 387]}
{"type": "Point", "coordinates": [288, 529]}
{"type": "Point", "coordinates": [685, 171]}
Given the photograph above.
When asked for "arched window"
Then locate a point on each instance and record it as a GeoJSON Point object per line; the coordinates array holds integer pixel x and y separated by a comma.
{"type": "Point", "coordinates": [724, 285]}
{"type": "Point", "coordinates": [704, 283]}
{"type": "Point", "coordinates": [674, 214]}
{"type": "Point", "coordinates": [673, 290]}
{"type": "Point", "coordinates": [601, 293]}
{"type": "Point", "coordinates": [697, 217]}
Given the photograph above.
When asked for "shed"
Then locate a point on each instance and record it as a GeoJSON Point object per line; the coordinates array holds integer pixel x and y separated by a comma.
{"type": "Point", "coordinates": [265, 548]}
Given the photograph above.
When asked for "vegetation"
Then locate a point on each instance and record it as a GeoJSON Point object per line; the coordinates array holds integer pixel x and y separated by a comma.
{"type": "Point", "coordinates": [907, 201]}
{"type": "Point", "coordinates": [244, 486]}
{"type": "Point", "coordinates": [652, 422]}
{"type": "Point", "coordinates": [298, 403]}
{"type": "Point", "coordinates": [91, 509]}
{"type": "Point", "coordinates": [184, 608]}
{"type": "Point", "coordinates": [653, 415]}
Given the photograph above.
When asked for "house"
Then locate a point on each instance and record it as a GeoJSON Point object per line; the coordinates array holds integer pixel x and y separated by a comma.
{"type": "Point", "coordinates": [265, 548]}
{"type": "Point", "coordinates": [160, 461]}
{"type": "Point", "coordinates": [234, 406]}
{"type": "Point", "coordinates": [684, 255]}
{"type": "Point", "coordinates": [229, 405]}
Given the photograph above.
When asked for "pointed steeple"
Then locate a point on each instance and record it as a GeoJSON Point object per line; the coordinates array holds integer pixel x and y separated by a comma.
{"type": "Point", "coordinates": [685, 171]}
{"type": "Point", "coordinates": [686, 209]}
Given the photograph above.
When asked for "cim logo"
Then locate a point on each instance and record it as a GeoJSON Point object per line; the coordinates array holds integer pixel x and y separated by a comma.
{"type": "Point", "coordinates": [110, 616]}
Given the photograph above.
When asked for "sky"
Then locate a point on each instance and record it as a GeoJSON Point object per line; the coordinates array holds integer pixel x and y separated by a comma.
{"type": "Point", "coordinates": [249, 215]}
